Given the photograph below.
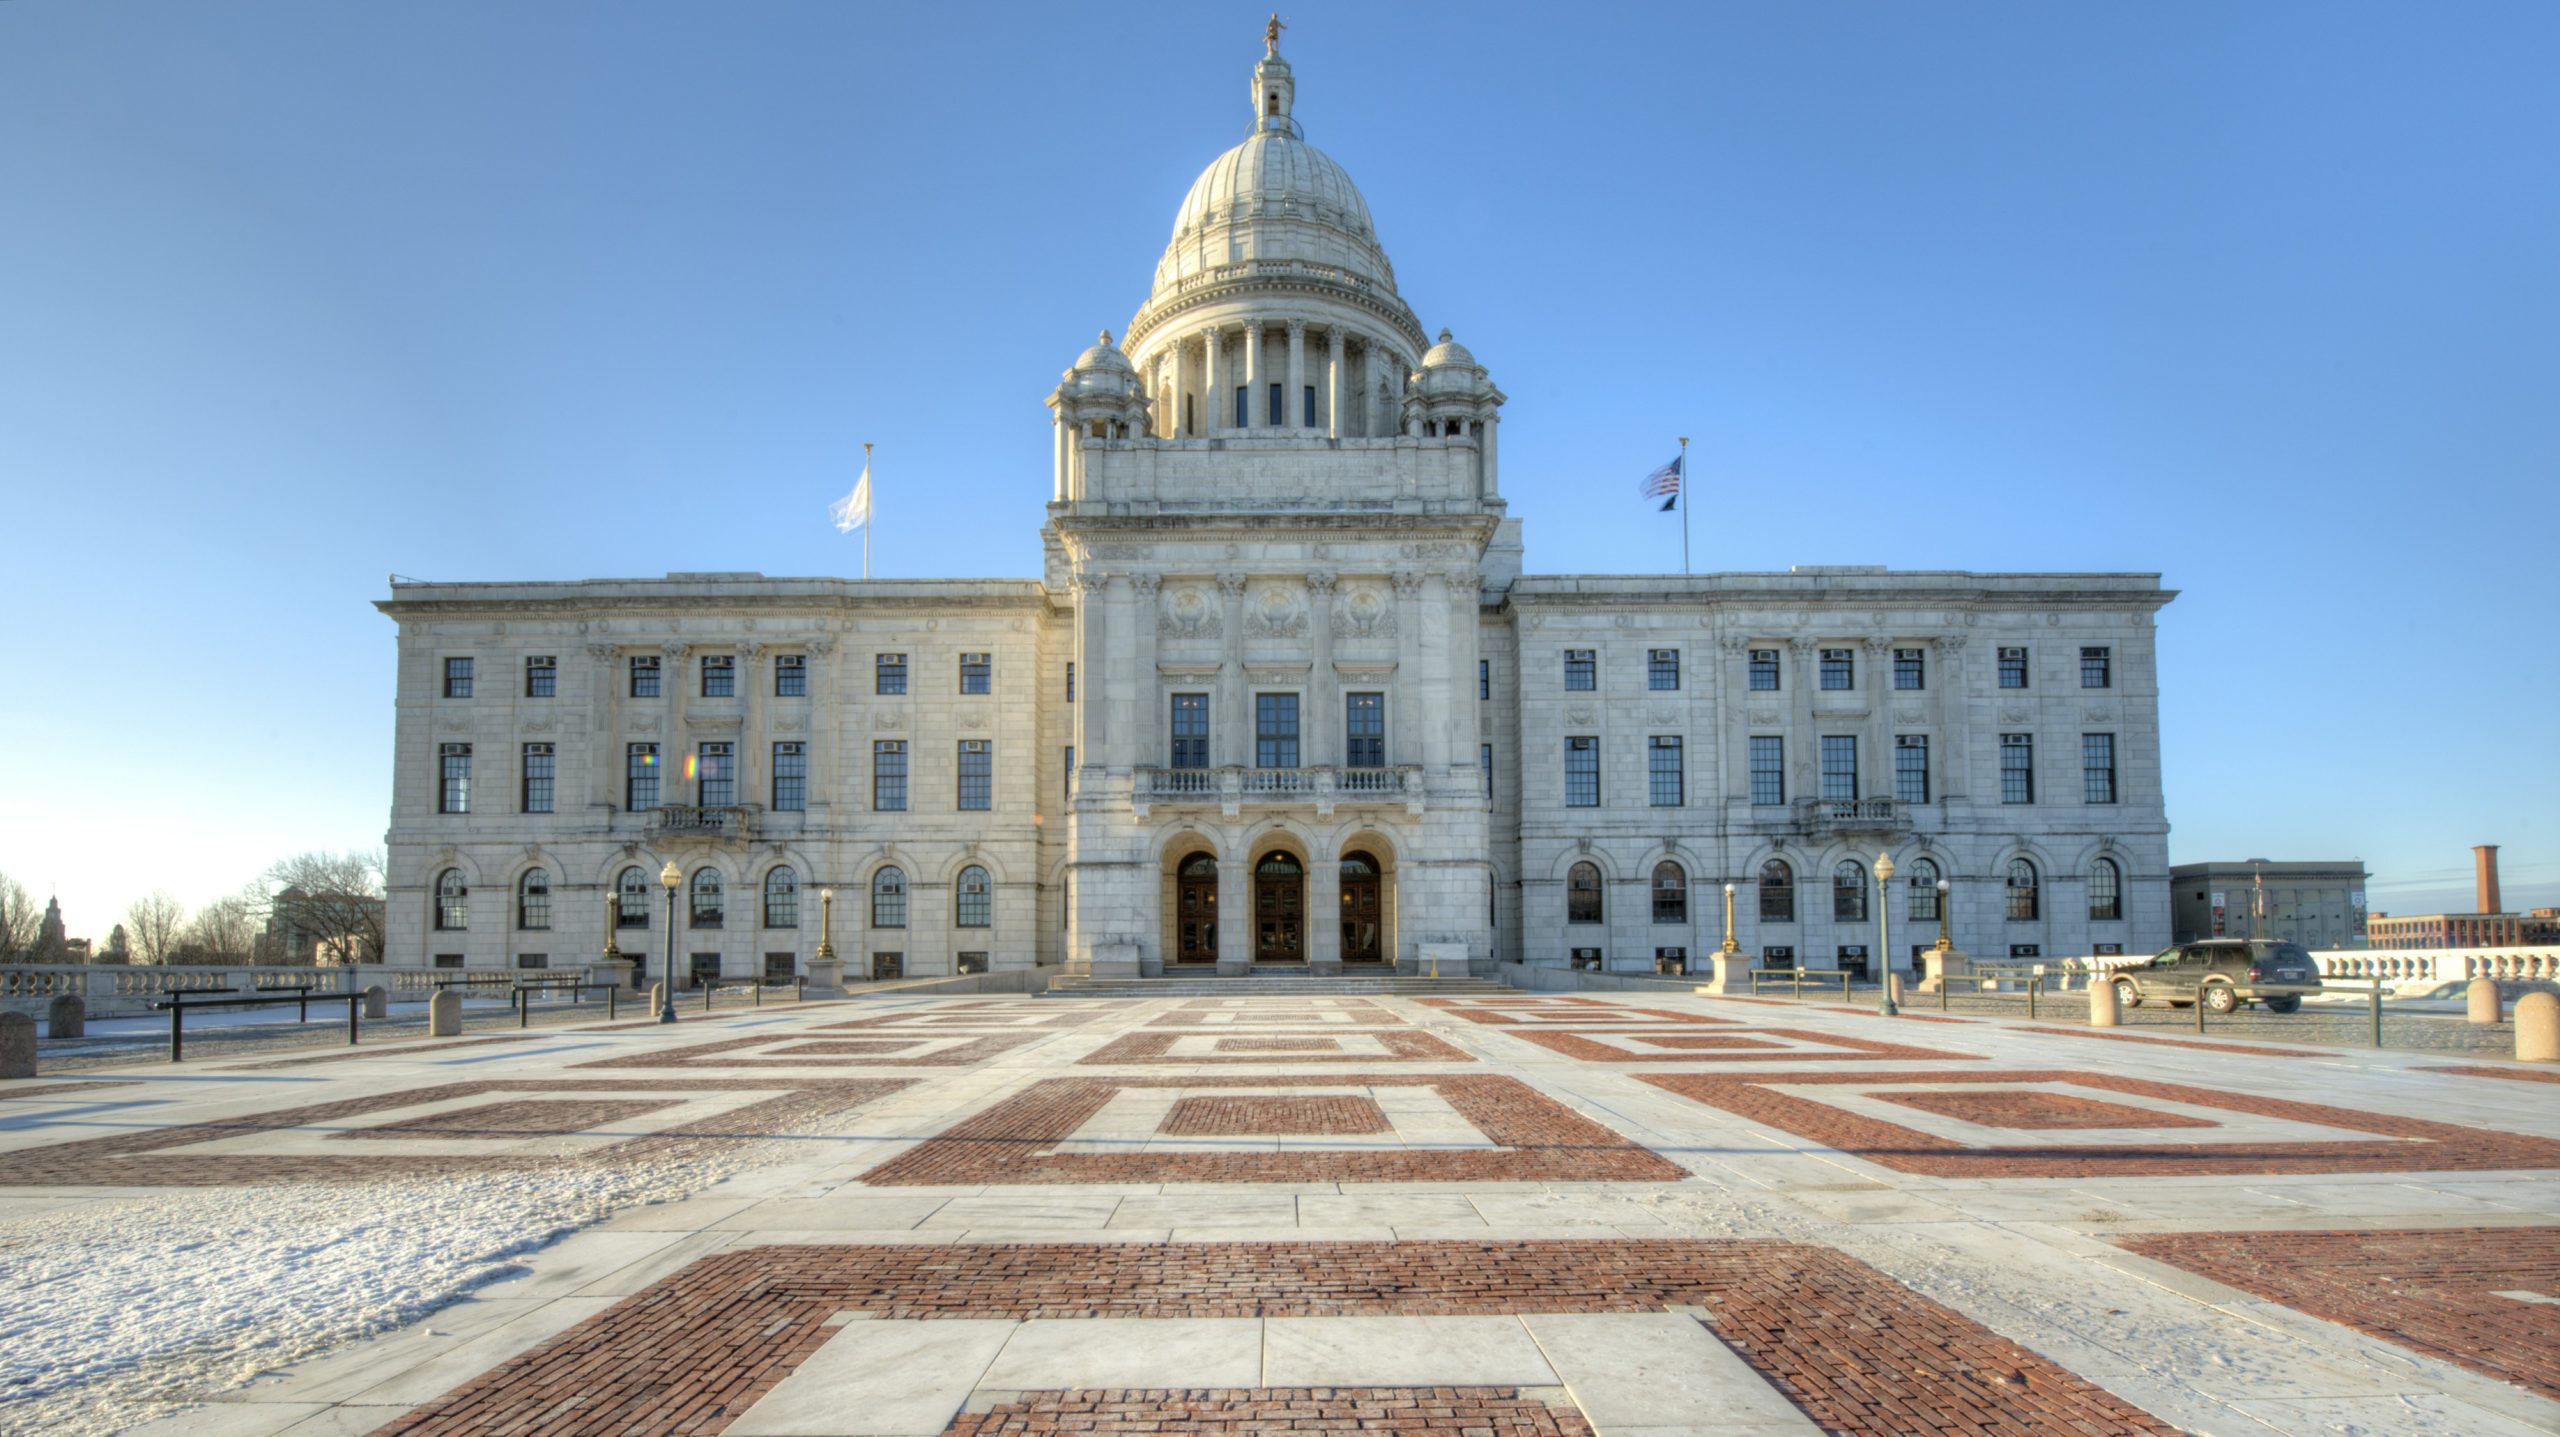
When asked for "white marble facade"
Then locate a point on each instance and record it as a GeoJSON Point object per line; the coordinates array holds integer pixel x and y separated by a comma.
{"type": "Point", "coordinates": [1274, 498]}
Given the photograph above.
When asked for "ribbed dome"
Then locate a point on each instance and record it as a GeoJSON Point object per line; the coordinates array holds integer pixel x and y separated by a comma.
{"type": "Point", "coordinates": [1274, 174]}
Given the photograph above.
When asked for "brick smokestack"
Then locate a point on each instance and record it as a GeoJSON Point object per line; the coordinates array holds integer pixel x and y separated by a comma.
{"type": "Point", "coordinates": [2484, 880]}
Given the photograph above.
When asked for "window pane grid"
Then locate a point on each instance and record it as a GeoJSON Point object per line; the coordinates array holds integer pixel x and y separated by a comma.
{"type": "Point", "coordinates": [889, 775]}
{"type": "Point", "coordinates": [1764, 671]}
{"type": "Point", "coordinates": [716, 775]}
{"type": "Point", "coordinates": [1664, 780]}
{"type": "Point", "coordinates": [640, 777]}
{"type": "Point", "coordinates": [1275, 730]}
{"type": "Point", "coordinates": [1911, 767]}
{"type": "Point", "coordinates": [1670, 894]}
{"type": "Point", "coordinates": [2096, 668]}
{"type": "Point", "coordinates": [710, 905]}
{"type": "Point", "coordinates": [533, 900]}
{"type": "Point", "coordinates": [977, 673]}
{"type": "Point", "coordinates": [453, 901]}
{"type": "Point", "coordinates": [889, 674]}
{"type": "Point", "coordinates": [782, 899]}
{"type": "Point", "coordinates": [719, 676]}
{"type": "Point", "coordinates": [1777, 892]}
{"type": "Point", "coordinates": [974, 906]}
{"type": "Point", "coordinates": [2023, 898]}
{"type": "Point", "coordinates": [1364, 729]}
{"type": "Point", "coordinates": [2098, 767]}
{"type": "Point", "coordinates": [541, 677]}
{"type": "Point", "coordinates": [1582, 894]}
{"type": "Point", "coordinates": [1662, 669]}
{"type": "Point", "coordinates": [1768, 771]}
{"type": "Point", "coordinates": [1839, 767]}
{"type": "Point", "coordinates": [2013, 668]}
{"type": "Point", "coordinates": [1849, 893]}
{"type": "Point", "coordinates": [790, 777]}
{"type": "Point", "coordinates": [1910, 669]}
{"type": "Point", "coordinates": [454, 790]}
{"type": "Point", "coordinates": [791, 676]}
{"type": "Point", "coordinates": [538, 774]}
{"type": "Point", "coordinates": [1582, 773]}
{"type": "Point", "coordinates": [889, 899]}
{"type": "Point", "coordinates": [1924, 891]}
{"type": "Point", "coordinates": [2017, 768]}
{"type": "Point", "coordinates": [1190, 730]}
{"type": "Point", "coordinates": [1581, 669]}
{"type": "Point", "coordinates": [2106, 891]}
{"type": "Point", "coordinates": [977, 775]}
{"type": "Point", "coordinates": [457, 678]}
{"type": "Point", "coordinates": [645, 674]}
{"type": "Point", "coordinates": [1839, 669]}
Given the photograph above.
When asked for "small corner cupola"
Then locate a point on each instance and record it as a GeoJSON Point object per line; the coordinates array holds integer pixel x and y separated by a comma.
{"type": "Point", "coordinates": [1274, 89]}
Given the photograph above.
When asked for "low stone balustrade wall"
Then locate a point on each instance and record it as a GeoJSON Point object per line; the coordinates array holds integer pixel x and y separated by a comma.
{"type": "Point", "coordinates": [2412, 971]}
{"type": "Point", "coordinates": [115, 990]}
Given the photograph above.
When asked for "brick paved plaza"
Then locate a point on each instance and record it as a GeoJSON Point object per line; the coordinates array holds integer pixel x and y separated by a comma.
{"type": "Point", "coordinates": [1485, 1214]}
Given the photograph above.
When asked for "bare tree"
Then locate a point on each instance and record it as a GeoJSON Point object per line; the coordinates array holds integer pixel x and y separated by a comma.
{"type": "Point", "coordinates": [154, 922]}
{"type": "Point", "coordinates": [223, 931]}
{"type": "Point", "coordinates": [326, 905]}
{"type": "Point", "coordinates": [20, 915]}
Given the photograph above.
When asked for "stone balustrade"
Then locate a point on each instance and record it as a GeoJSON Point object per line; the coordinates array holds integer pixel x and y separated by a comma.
{"type": "Point", "coordinates": [1320, 788]}
{"type": "Point", "coordinates": [686, 822]}
{"type": "Point", "coordinates": [115, 990]}
{"type": "Point", "coordinates": [1839, 816]}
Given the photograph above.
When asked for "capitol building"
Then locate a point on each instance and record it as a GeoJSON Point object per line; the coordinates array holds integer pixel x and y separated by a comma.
{"type": "Point", "coordinates": [1281, 699]}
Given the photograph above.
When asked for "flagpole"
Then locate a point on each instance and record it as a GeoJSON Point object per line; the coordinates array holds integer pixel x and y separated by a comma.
{"type": "Point", "coordinates": [866, 515]}
{"type": "Point", "coordinates": [1684, 504]}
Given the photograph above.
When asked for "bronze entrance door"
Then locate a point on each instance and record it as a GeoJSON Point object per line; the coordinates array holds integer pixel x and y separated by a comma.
{"type": "Point", "coordinates": [1363, 922]}
{"type": "Point", "coordinates": [1195, 909]}
{"type": "Point", "coordinates": [1279, 905]}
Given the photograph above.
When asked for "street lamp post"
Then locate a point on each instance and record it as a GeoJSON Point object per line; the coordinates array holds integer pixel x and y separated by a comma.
{"type": "Point", "coordinates": [826, 925]}
{"type": "Point", "coordinates": [1731, 950]}
{"type": "Point", "coordinates": [1884, 930]}
{"type": "Point", "coordinates": [612, 915]}
{"type": "Point", "coordinates": [670, 879]}
{"type": "Point", "coordinates": [1944, 943]}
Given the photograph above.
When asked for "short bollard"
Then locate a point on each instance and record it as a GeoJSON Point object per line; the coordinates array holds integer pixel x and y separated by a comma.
{"type": "Point", "coordinates": [658, 1000]}
{"type": "Point", "coordinates": [17, 1046]}
{"type": "Point", "coordinates": [68, 1017]}
{"type": "Point", "coordinates": [377, 1002]}
{"type": "Point", "coordinates": [2483, 1000]}
{"type": "Point", "coordinates": [2102, 1005]}
{"type": "Point", "coordinates": [612, 1000]}
{"type": "Point", "coordinates": [2538, 1028]}
{"type": "Point", "coordinates": [444, 1013]}
{"type": "Point", "coordinates": [707, 989]}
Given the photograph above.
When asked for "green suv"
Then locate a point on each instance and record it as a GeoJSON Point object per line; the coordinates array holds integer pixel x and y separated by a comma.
{"type": "Point", "coordinates": [2222, 974]}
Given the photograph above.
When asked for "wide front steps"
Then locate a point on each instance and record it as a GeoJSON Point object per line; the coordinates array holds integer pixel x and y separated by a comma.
{"type": "Point", "coordinates": [1269, 985]}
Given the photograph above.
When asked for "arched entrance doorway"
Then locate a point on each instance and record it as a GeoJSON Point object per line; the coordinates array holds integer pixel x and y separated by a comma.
{"type": "Point", "coordinates": [1279, 909]}
{"type": "Point", "coordinates": [1363, 909]}
{"type": "Point", "coordinates": [1195, 909]}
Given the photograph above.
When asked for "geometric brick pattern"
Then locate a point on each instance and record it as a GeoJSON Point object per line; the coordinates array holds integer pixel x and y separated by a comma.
{"type": "Point", "coordinates": [2520, 1075]}
{"type": "Point", "coordinates": [1157, 1048]}
{"type": "Point", "coordinates": [1856, 1351]}
{"type": "Point", "coordinates": [2031, 1110]}
{"type": "Point", "coordinates": [1532, 1138]}
{"type": "Point", "coordinates": [155, 1157]}
{"type": "Point", "coordinates": [525, 1118]}
{"type": "Point", "coordinates": [2433, 1291]}
{"type": "Point", "coordinates": [2251, 1049]}
{"type": "Point", "coordinates": [1456, 1411]}
{"type": "Point", "coordinates": [1822, 1047]}
{"type": "Point", "coordinates": [1579, 1013]}
{"type": "Point", "coordinates": [2400, 1144]}
{"type": "Point", "coordinates": [733, 1053]}
{"type": "Point", "coordinates": [1046, 1019]}
{"type": "Point", "coordinates": [1274, 1117]}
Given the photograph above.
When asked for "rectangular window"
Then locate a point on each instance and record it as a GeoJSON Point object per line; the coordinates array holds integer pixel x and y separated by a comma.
{"type": "Point", "coordinates": [457, 678]}
{"type": "Point", "coordinates": [1310, 409]}
{"type": "Point", "coordinates": [1661, 669]}
{"type": "Point", "coordinates": [453, 789]}
{"type": "Point", "coordinates": [1067, 778]}
{"type": "Point", "coordinates": [1484, 760]}
{"type": "Point", "coordinates": [1278, 414]}
{"type": "Point", "coordinates": [2098, 768]}
{"type": "Point", "coordinates": [640, 777]}
{"type": "Point", "coordinates": [1364, 730]}
{"type": "Point", "coordinates": [977, 673]}
{"type": "Point", "coordinates": [1582, 773]}
{"type": "Point", "coordinates": [715, 775]}
{"type": "Point", "coordinates": [1910, 669]}
{"type": "Point", "coordinates": [889, 674]}
{"type": "Point", "coordinates": [537, 777]}
{"type": "Point", "coordinates": [1839, 669]}
{"type": "Point", "coordinates": [1911, 768]}
{"type": "Point", "coordinates": [790, 777]}
{"type": "Point", "coordinates": [2017, 768]}
{"type": "Point", "coordinates": [791, 676]}
{"type": "Point", "coordinates": [1275, 730]}
{"type": "Point", "coordinates": [719, 676]}
{"type": "Point", "coordinates": [1071, 681]}
{"type": "Point", "coordinates": [1244, 407]}
{"type": "Point", "coordinates": [977, 775]}
{"type": "Point", "coordinates": [1665, 785]}
{"type": "Point", "coordinates": [1768, 771]}
{"type": "Point", "coordinates": [1190, 730]}
{"type": "Point", "coordinates": [541, 676]}
{"type": "Point", "coordinates": [2013, 668]}
{"type": "Point", "coordinates": [644, 676]}
{"type": "Point", "coordinates": [889, 775]}
{"type": "Point", "coordinates": [1764, 671]}
{"type": "Point", "coordinates": [1484, 680]}
{"type": "Point", "coordinates": [1839, 767]}
{"type": "Point", "coordinates": [2097, 668]}
{"type": "Point", "coordinates": [1581, 669]}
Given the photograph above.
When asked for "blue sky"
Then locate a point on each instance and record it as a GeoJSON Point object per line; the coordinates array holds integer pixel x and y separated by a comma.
{"type": "Point", "coordinates": [299, 295]}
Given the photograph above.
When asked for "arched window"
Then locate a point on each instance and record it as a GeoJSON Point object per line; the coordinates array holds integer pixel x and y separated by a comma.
{"type": "Point", "coordinates": [710, 901]}
{"type": "Point", "coordinates": [974, 904]}
{"type": "Point", "coordinates": [631, 898]}
{"type": "Point", "coordinates": [1670, 894]}
{"type": "Point", "coordinates": [781, 897]}
{"type": "Point", "coordinates": [1582, 894]}
{"type": "Point", "coordinates": [1777, 892]}
{"type": "Point", "coordinates": [2106, 891]}
{"type": "Point", "coordinates": [1849, 892]}
{"type": "Point", "coordinates": [453, 900]}
{"type": "Point", "coordinates": [1924, 890]}
{"type": "Point", "coordinates": [2023, 903]}
{"type": "Point", "coordinates": [889, 899]}
{"type": "Point", "coordinates": [533, 899]}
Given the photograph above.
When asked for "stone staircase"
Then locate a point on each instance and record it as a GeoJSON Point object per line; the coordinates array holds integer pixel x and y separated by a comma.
{"type": "Point", "coordinates": [1269, 985]}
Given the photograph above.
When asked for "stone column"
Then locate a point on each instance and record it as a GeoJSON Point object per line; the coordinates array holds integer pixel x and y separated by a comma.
{"type": "Point", "coordinates": [1145, 744]}
{"type": "Point", "coordinates": [604, 736]}
{"type": "Point", "coordinates": [1327, 747]}
{"type": "Point", "coordinates": [1252, 370]}
{"type": "Point", "coordinates": [826, 748]}
{"type": "Point", "coordinates": [1235, 747]}
{"type": "Point", "coordinates": [1804, 777]}
{"type": "Point", "coordinates": [1058, 465]}
{"type": "Point", "coordinates": [1952, 753]}
{"type": "Point", "coordinates": [1324, 905]}
{"type": "Point", "coordinates": [1090, 591]}
{"type": "Point", "coordinates": [753, 752]}
{"type": "Point", "coordinates": [1878, 779]}
{"type": "Point", "coordinates": [1334, 360]}
{"type": "Point", "coordinates": [1292, 408]}
{"type": "Point", "coordinates": [1410, 704]}
{"type": "Point", "coordinates": [1215, 401]}
{"type": "Point", "coordinates": [1490, 426]}
{"type": "Point", "coordinates": [1118, 682]}
{"type": "Point", "coordinates": [1235, 913]}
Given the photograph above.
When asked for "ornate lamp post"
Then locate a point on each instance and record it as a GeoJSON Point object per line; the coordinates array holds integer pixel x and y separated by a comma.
{"type": "Point", "coordinates": [1944, 943]}
{"type": "Point", "coordinates": [1730, 950]}
{"type": "Point", "coordinates": [671, 879]}
{"type": "Point", "coordinates": [612, 920]}
{"type": "Point", "coordinates": [826, 925]}
{"type": "Point", "coordinates": [1884, 930]}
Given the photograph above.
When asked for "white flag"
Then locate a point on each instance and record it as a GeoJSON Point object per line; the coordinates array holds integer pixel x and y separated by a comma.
{"type": "Point", "coordinates": [854, 510]}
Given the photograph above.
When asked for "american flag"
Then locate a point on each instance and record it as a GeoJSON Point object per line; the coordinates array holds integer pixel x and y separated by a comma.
{"type": "Point", "coordinates": [1664, 484]}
